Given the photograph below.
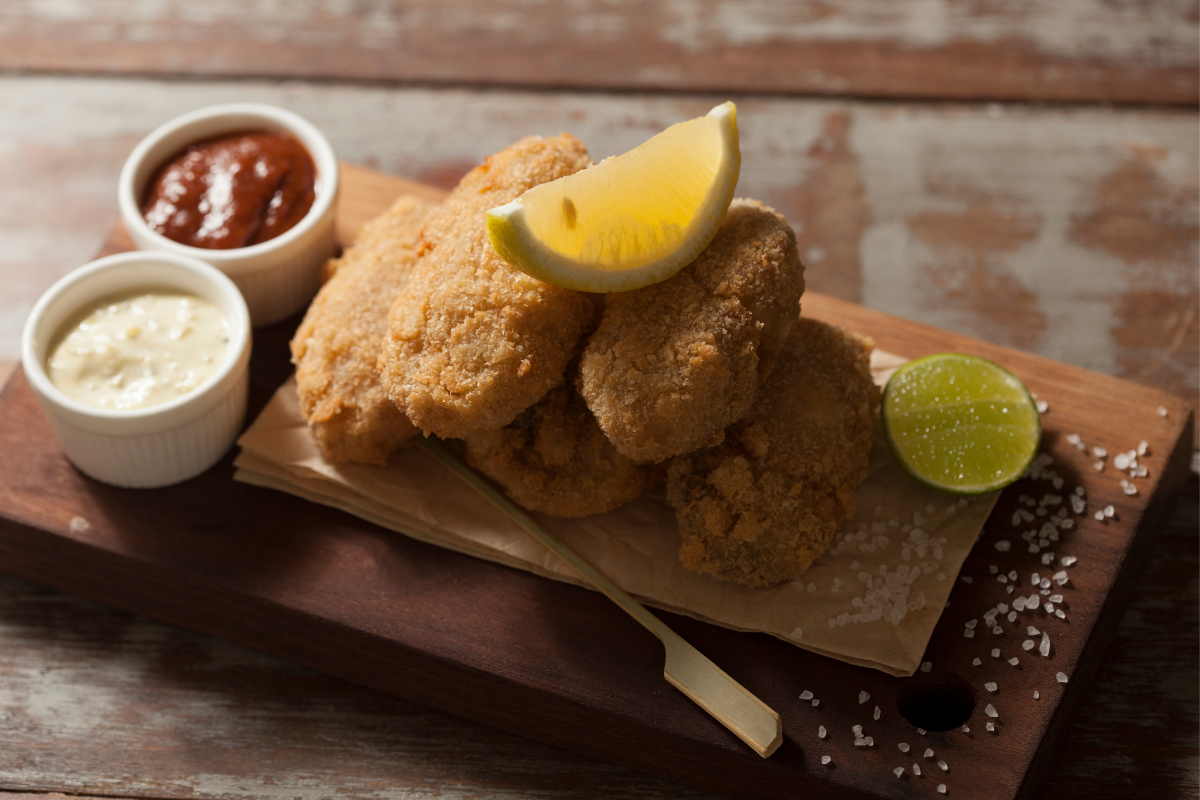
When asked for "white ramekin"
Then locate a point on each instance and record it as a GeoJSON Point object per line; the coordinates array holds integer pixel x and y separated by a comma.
{"type": "Point", "coordinates": [159, 445]}
{"type": "Point", "coordinates": [278, 277]}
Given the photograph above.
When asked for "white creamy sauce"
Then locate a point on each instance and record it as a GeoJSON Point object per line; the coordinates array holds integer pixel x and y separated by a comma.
{"type": "Point", "coordinates": [139, 349]}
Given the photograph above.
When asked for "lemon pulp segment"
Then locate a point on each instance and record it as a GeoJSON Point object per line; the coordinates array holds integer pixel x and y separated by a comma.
{"type": "Point", "coordinates": [630, 220]}
{"type": "Point", "coordinates": [960, 423]}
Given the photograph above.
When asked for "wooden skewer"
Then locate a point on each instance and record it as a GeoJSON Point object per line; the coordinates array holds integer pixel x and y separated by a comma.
{"type": "Point", "coordinates": [751, 720]}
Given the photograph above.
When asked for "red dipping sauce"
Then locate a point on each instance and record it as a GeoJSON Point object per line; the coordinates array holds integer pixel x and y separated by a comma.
{"type": "Point", "coordinates": [231, 191]}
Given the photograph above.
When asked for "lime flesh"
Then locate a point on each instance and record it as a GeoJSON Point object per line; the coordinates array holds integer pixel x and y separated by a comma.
{"type": "Point", "coordinates": [960, 423]}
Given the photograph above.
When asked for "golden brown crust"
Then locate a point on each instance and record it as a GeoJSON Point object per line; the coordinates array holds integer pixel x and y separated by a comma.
{"type": "Point", "coordinates": [761, 506]}
{"type": "Point", "coordinates": [336, 347]}
{"type": "Point", "coordinates": [472, 341]}
{"type": "Point", "coordinates": [555, 459]}
{"type": "Point", "coordinates": [676, 362]}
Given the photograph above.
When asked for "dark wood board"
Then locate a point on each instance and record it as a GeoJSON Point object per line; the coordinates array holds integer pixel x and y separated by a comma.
{"type": "Point", "coordinates": [1037, 50]}
{"type": "Point", "coordinates": [561, 664]}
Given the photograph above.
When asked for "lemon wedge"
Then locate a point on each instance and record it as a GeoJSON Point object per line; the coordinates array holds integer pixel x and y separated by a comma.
{"type": "Point", "coordinates": [631, 220]}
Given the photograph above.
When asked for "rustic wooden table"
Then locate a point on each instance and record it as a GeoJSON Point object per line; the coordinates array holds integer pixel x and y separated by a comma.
{"type": "Point", "coordinates": [1022, 173]}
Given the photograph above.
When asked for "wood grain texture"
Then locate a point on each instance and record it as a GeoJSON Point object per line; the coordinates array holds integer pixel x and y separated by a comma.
{"type": "Point", "coordinates": [1086, 50]}
{"type": "Point", "coordinates": [335, 593]}
{"type": "Point", "coordinates": [1069, 233]}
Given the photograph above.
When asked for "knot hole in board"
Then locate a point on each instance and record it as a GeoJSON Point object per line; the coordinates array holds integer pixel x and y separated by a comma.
{"type": "Point", "coordinates": [936, 703]}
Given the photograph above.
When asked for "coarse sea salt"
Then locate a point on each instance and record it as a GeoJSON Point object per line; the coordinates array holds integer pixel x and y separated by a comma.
{"type": "Point", "coordinates": [876, 713]}
{"type": "Point", "coordinates": [928, 752]}
{"type": "Point", "coordinates": [991, 726]}
{"type": "Point", "coordinates": [991, 686]}
{"type": "Point", "coordinates": [991, 711]}
{"type": "Point", "coordinates": [863, 697]}
{"type": "Point", "coordinates": [926, 666]}
{"type": "Point", "coordinates": [903, 747]}
{"type": "Point", "coordinates": [826, 759]}
{"type": "Point", "coordinates": [821, 732]}
{"type": "Point", "coordinates": [806, 695]}
{"type": "Point", "coordinates": [1062, 677]}
{"type": "Point", "coordinates": [917, 770]}
{"type": "Point", "coordinates": [945, 767]}
{"type": "Point", "coordinates": [941, 788]}
{"type": "Point", "coordinates": [1014, 661]}
{"type": "Point", "coordinates": [1004, 545]}
{"type": "Point", "coordinates": [898, 771]}
{"type": "Point", "coordinates": [1028, 644]}
{"type": "Point", "coordinates": [996, 652]}
{"type": "Point", "coordinates": [977, 662]}
{"type": "Point", "coordinates": [1044, 648]}
{"type": "Point", "coordinates": [1037, 695]}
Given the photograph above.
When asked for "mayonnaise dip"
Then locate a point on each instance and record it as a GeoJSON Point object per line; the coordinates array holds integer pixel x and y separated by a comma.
{"type": "Point", "coordinates": [138, 349]}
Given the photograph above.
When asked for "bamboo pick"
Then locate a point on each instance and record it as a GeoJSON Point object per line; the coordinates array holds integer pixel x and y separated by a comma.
{"type": "Point", "coordinates": [686, 668]}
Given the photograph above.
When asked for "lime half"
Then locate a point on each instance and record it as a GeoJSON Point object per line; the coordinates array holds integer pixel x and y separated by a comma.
{"type": "Point", "coordinates": [960, 423]}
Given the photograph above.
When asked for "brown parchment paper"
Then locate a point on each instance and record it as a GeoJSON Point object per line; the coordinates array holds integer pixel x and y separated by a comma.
{"type": "Point", "coordinates": [872, 600]}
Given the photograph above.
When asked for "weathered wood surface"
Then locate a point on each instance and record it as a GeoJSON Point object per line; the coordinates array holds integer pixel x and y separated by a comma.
{"type": "Point", "coordinates": [1088, 50]}
{"type": "Point", "coordinates": [205, 568]}
{"type": "Point", "coordinates": [1071, 233]}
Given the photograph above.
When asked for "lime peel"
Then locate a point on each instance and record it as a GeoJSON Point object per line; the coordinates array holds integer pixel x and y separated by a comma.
{"type": "Point", "coordinates": [942, 420]}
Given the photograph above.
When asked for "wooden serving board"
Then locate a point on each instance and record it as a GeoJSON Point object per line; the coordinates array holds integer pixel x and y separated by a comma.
{"type": "Point", "coordinates": [564, 665]}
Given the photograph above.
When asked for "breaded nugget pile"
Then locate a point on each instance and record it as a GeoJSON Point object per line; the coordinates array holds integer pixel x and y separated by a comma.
{"type": "Point", "coordinates": [579, 403]}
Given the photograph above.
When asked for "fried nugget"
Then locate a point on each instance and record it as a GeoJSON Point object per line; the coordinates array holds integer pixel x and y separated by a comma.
{"type": "Point", "coordinates": [472, 342]}
{"type": "Point", "coordinates": [761, 506]}
{"type": "Point", "coordinates": [336, 347]}
{"type": "Point", "coordinates": [676, 362]}
{"type": "Point", "coordinates": [555, 459]}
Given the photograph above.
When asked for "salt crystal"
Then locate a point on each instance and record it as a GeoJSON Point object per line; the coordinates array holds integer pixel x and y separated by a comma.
{"type": "Point", "coordinates": [1002, 608]}
{"type": "Point", "coordinates": [876, 713]}
{"type": "Point", "coordinates": [1073, 438]}
{"type": "Point", "coordinates": [991, 727]}
{"type": "Point", "coordinates": [1036, 695]}
{"type": "Point", "coordinates": [1042, 406]}
{"type": "Point", "coordinates": [977, 662]}
{"type": "Point", "coordinates": [1110, 512]}
{"type": "Point", "coordinates": [1061, 577]}
{"type": "Point", "coordinates": [922, 732]}
{"type": "Point", "coordinates": [1056, 598]}
{"type": "Point", "coordinates": [966, 729]}
{"type": "Point", "coordinates": [1130, 489]}
{"type": "Point", "coordinates": [1048, 558]}
{"type": "Point", "coordinates": [870, 742]}
{"type": "Point", "coordinates": [1099, 452]}
{"type": "Point", "coordinates": [1058, 612]}
{"type": "Point", "coordinates": [1012, 615]}
{"type": "Point", "coordinates": [1028, 644]}
{"type": "Point", "coordinates": [857, 729]}
{"type": "Point", "coordinates": [971, 623]}
{"type": "Point", "coordinates": [992, 568]}
{"type": "Point", "coordinates": [917, 770]}
{"type": "Point", "coordinates": [1141, 471]}
{"type": "Point", "coordinates": [1019, 604]}
{"type": "Point", "coordinates": [1014, 661]}
{"type": "Point", "coordinates": [991, 711]}
{"type": "Point", "coordinates": [996, 652]}
{"type": "Point", "coordinates": [1068, 561]}
{"type": "Point", "coordinates": [1004, 545]}
{"type": "Point", "coordinates": [1002, 578]}
{"type": "Point", "coordinates": [1162, 411]}
{"type": "Point", "coordinates": [898, 771]}
{"type": "Point", "coordinates": [863, 697]}
{"type": "Point", "coordinates": [926, 666]}
{"type": "Point", "coordinates": [1099, 516]}
{"type": "Point", "coordinates": [816, 702]}
{"type": "Point", "coordinates": [1044, 647]}
{"type": "Point", "coordinates": [825, 759]}
{"type": "Point", "coordinates": [903, 747]}
{"type": "Point", "coordinates": [1062, 677]}
{"type": "Point", "coordinates": [945, 767]}
{"type": "Point", "coordinates": [1032, 602]}
{"type": "Point", "coordinates": [806, 695]}
{"type": "Point", "coordinates": [79, 525]}
{"type": "Point", "coordinates": [966, 579]}
{"type": "Point", "coordinates": [1009, 588]}
{"type": "Point", "coordinates": [942, 788]}
{"type": "Point", "coordinates": [928, 752]}
{"type": "Point", "coordinates": [1049, 607]}
{"type": "Point", "coordinates": [821, 732]}
{"type": "Point", "coordinates": [1012, 575]}
{"type": "Point", "coordinates": [1143, 447]}
{"type": "Point", "coordinates": [1121, 461]}
{"type": "Point", "coordinates": [1044, 583]}
{"type": "Point", "coordinates": [997, 630]}
{"type": "Point", "coordinates": [991, 686]}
